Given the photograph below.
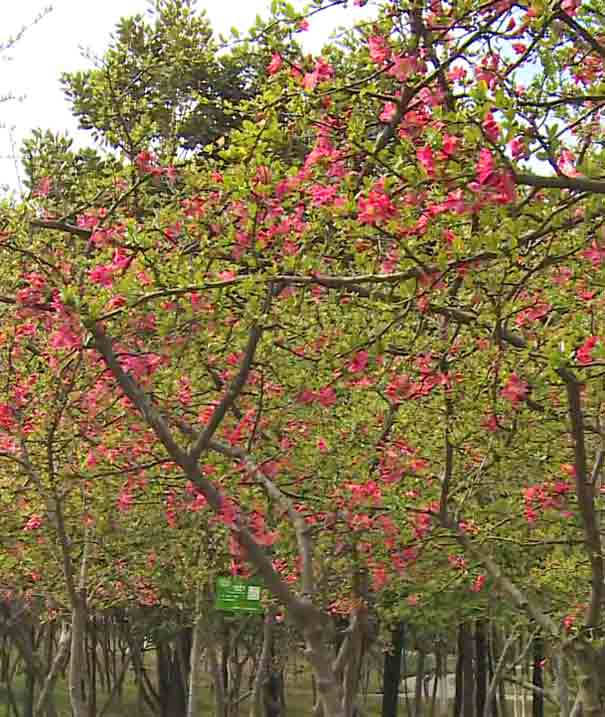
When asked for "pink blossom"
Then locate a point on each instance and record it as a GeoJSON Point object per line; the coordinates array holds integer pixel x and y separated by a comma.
{"type": "Point", "coordinates": [276, 63]}
{"type": "Point", "coordinates": [322, 73]}
{"type": "Point", "coordinates": [457, 561]}
{"type": "Point", "coordinates": [404, 66]}
{"type": "Point", "coordinates": [102, 274]}
{"type": "Point", "coordinates": [359, 362]}
{"type": "Point", "coordinates": [517, 147]}
{"type": "Point", "coordinates": [584, 353]}
{"type": "Point", "coordinates": [570, 6]}
{"type": "Point", "coordinates": [121, 259]}
{"type": "Point", "coordinates": [595, 254]}
{"type": "Point", "coordinates": [171, 173]}
{"type": "Point", "coordinates": [87, 221]}
{"type": "Point", "coordinates": [490, 423]}
{"type": "Point", "coordinates": [65, 338]}
{"type": "Point", "coordinates": [376, 207]}
{"type": "Point", "coordinates": [487, 71]}
{"type": "Point", "coordinates": [146, 162]}
{"type": "Point", "coordinates": [515, 389]}
{"type": "Point", "coordinates": [431, 97]}
{"type": "Point", "coordinates": [485, 166]}
{"type": "Point", "coordinates": [322, 195]}
{"type": "Point", "coordinates": [380, 52]}
{"type": "Point", "coordinates": [478, 584]}
{"type": "Point", "coordinates": [388, 112]}
{"type": "Point", "coordinates": [568, 622]}
{"type": "Point", "coordinates": [491, 127]}
{"type": "Point", "coordinates": [457, 73]}
{"type": "Point", "coordinates": [426, 159]}
{"type": "Point", "coordinates": [327, 396]}
{"type": "Point", "coordinates": [566, 162]}
{"type": "Point", "coordinates": [450, 145]}
{"type": "Point", "coordinates": [33, 523]}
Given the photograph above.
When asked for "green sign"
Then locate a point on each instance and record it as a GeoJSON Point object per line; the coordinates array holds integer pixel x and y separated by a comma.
{"type": "Point", "coordinates": [238, 595]}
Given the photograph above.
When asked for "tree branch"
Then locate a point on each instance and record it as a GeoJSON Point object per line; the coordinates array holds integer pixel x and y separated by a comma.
{"type": "Point", "coordinates": [585, 495]}
{"type": "Point", "coordinates": [62, 227]}
{"type": "Point", "coordinates": [235, 388]}
{"type": "Point", "coordinates": [516, 596]}
{"type": "Point", "coordinates": [302, 530]}
{"type": "Point", "coordinates": [578, 184]}
{"type": "Point", "coordinates": [256, 555]}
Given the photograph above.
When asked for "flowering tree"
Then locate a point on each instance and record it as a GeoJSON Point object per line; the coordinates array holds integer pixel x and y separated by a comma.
{"type": "Point", "coordinates": [369, 328]}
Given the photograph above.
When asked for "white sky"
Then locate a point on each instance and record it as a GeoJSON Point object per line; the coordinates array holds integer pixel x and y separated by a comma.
{"type": "Point", "coordinates": [54, 46]}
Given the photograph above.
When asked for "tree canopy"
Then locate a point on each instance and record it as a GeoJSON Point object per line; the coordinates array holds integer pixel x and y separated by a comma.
{"type": "Point", "coordinates": [358, 339]}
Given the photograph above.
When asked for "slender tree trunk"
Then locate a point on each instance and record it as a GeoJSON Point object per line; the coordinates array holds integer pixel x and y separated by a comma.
{"type": "Point", "coordinates": [435, 690]}
{"type": "Point", "coordinates": [466, 648]}
{"type": "Point", "coordinates": [459, 676]}
{"type": "Point", "coordinates": [353, 664]}
{"type": "Point", "coordinates": [171, 680]}
{"type": "Point", "coordinates": [262, 668]}
{"type": "Point", "coordinates": [225, 650]}
{"type": "Point", "coordinates": [538, 677]}
{"type": "Point", "coordinates": [92, 672]}
{"type": "Point", "coordinates": [29, 693]}
{"type": "Point", "coordinates": [392, 673]}
{"type": "Point", "coordinates": [117, 685]}
{"type": "Point", "coordinates": [443, 683]}
{"type": "Point", "coordinates": [195, 665]}
{"type": "Point", "coordinates": [55, 668]}
{"type": "Point", "coordinates": [559, 663]}
{"type": "Point", "coordinates": [146, 694]}
{"type": "Point", "coordinates": [77, 659]}
{"type": "Point", "coordinates": [481, 661]}
{"type": "Point", "coordinates": [421, 656]}
{"type": "Point", "coordinates": [408, 707]}
{"type": "Point", "coordinates": [588, 680]}
{"type": "Point", "coordinates": [496, 685]}
{"type": "Point", "coordinates": [220, 702]}
{"type": "Point", "coordinates": [492, 698]}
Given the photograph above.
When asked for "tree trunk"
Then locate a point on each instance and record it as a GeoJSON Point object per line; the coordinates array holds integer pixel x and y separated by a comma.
{"type": "Point", "coordinates": [392, 673]}
{"type": "Point", "coordinates": [459, 678]}
{"type": "Point", "coordinates": [29, 693]}
{"type": "Point", "coordinates": [220, 701]}
{"type": "Point", "coordinates": [443, 683]}
{"type": "Point", "coordinates": [77, 659]}
{"type": "Point", "coordinates": [117, 686]}
{"type": "Point", "coordinates": [53, 674]}
{"type": "Point", "coordinates": [559, 663]}
{"type": "Point", "coordinates": [466, 649]}
{"type": "Point", "coordinates": [92, 671]}
{"type": "Point", "coordinates": [492, 698]}
{"type": "Point", "coordinates": [585, 659]}
{"type": "Point", "coordinates": [171, 681]}
{"type": "Point", "coordinates": [538, 678]}
{"type": "Point", "coordinates": [195, 665]}
{"type": "Point", "coordinates": [352, 670]}
{"type": "Point", "coordinates": [481, 660]}
{"type": "Point", "coordinates": [330, 692]}
{"type": "Point", "coordinates": [421, 655]}
{"type": "Point", "coordinates": [262, 668]}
